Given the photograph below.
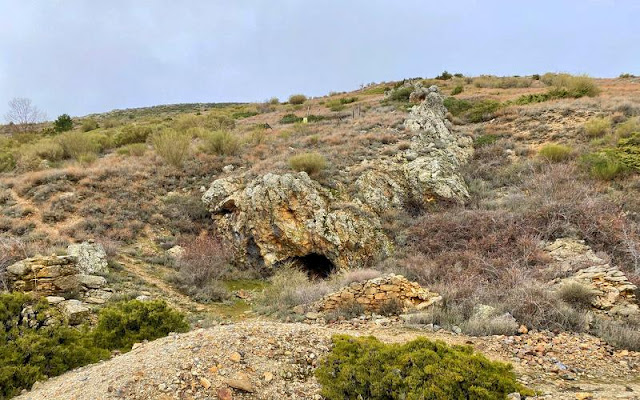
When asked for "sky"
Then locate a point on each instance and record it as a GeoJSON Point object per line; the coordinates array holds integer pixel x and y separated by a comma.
{"type": "Point", "coordinates": [80, 57]}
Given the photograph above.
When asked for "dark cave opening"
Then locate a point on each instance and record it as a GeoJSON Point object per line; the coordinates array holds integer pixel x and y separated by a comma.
{"type": "Point", "coordinates": [315, 265]}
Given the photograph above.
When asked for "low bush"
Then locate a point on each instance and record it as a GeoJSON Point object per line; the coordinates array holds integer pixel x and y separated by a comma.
{"type": "Point", "coordinates": [603, 165]}
{"type": "Point", "coordinates": [391, 307]}
{"type": "Point", "coordinates": [311, 163]}
{"type": "Point", "coordinates": [297, 99]}
{"type": "Point", "coordinates": [289, 287]}
{"type": "Point", "coordinates": [216, 122]}
{"type": "Point", "coordinates": [502, 82]}
{"type": "Point", "coordinates": [421, 369]}
{"type": "Point", "coordinates": [347, 310]}
{"type": "Point", "coordinates": [401, 94]}
{"type": "Point", "coordinates": [206, 260]}
{"type": "Point", "coordinates": [576, 294]}
{"type": "Point", "coordinates": [172, 146]}
{"type": "Point", "coordinates": [89, 125]}
{"type": "Point", "coordinates": [555, 152]}
{"type": "Point", "coordinates": [457, 106]}
{"type": "Point", "coordinates": [623, 334]}
{"type": "Point", "coordinates": [444, 76]}
{"type": "Point", "coordinates": [222, 143]}
{"type": "Point", "coordinates": [457, 90]}
{"type": "Point", "coordinates": [485, 140]}
{"type": "Point", "coordinates": [576, 86]}
{"type": "Point", "coordinates": [628, 128]}
{"type": "Point", "coordinates": [133, 149]}
{"type": "Point", "coordinates": [597, 127]}
{"type": "Point", "coordinates": [290, 119]}
{"type": "Point", "coordinates": [482, 111]}
{"type": "Point", "coordinates": [132, 134]}
{"type": "Point", "coordinates": [79, 146]}
{"type": "Point", "coordinates": [31, 350]}
{"type": "Point", "coordinates": [123, 324]}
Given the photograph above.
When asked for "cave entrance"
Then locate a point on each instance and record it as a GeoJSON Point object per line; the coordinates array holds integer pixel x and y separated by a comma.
{"type": "Point", "coordinates": [315, 265]}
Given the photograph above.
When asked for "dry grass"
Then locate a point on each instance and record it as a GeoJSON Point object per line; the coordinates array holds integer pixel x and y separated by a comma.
{"type": "Point", "coordinates": [172, 146]}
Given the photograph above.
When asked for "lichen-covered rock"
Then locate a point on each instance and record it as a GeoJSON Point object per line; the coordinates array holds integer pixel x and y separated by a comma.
{"type": "Point", "coordinates": [280, 217]}
{"type": "Point", "coordinates": [373, 293]}
{"type": "Point", "coordinates": [90, 257]}
{"type": "Point", "coordinates": [74, 311]}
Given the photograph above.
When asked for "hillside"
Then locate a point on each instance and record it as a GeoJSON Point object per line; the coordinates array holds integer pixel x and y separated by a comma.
{"type": "Point", "coordinates": [513, 201]}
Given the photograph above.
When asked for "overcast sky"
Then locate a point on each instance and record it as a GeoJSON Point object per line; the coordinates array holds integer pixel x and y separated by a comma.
{"type": "Point", "coordinates": [80, 57]}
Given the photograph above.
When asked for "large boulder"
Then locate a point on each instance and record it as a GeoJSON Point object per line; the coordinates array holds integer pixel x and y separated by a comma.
{"type": "Point", "coordinates": [45, 275]}
{"type": "Point", "coordinates": [290, 217]}
{"type": "Point", "coordinates": [90, 257]}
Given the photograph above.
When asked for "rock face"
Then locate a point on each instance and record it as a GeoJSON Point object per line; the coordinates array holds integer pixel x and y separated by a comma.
{"type": "Point", "coordinates": [373, 293]}
{"type": "Point", "coordinates": [289, 217]}
{"type": "Point", "coordinates": [615, 294]}
{"type": "Point", "coordinates": [277, 218]}
{"type": "Point", "coordinates": [90, 257]}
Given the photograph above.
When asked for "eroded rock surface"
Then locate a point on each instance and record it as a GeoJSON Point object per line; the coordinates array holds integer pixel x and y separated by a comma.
{"type": "Point", "coordinates": [90, 257]}
{"type": "Point", "coordinates": [277, 218]}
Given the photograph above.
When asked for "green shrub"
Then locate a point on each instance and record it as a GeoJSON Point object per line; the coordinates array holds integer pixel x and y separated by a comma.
{"type": "Point", "coordinates": [628, 128]}
{"type": "Point", "coordinates": [485, 140]}
{"type": "Point", "coordinates": [79, 146]}
{"type": "Point", "coordinates": [244, 114]}
{"type": "Point", "coordinates": [501, 82]}
{"type": "Point", "coordinates": [482, 111]}
{"type": "Point", "coordinates": [46, 149]}
{"type": "Point", "coordinates": [365, 368]}
{"type": "Point", "coordinates": [172, 146]}
{"type": "Point", "coordinates": [457, 90]}
{"type": "Point", "coordinates": [89, 125]}
{"type": "Point", "coordinates": [297, 99]}
{"type": "Point", "coordinates": [133, 149]}
{"type": "Point", "coordinates": [121, 325]}
{"type": "Point", "coordinates": [221, 143]}
{"type": "Point", "coordinates": [444, 76]}
{"type": "Point", "coordinates": [290, 119]}
{"type": "Point", "coordinates": [63, 123]}
{"type": "Point", "coordinates": [311, 163]}
{"type": "Point", "coordinates": [457, 106]}
{"type": "Point", "coordinates": [35, 351]}
{"type": "Point", "coordinates": [555, 152]}
{"type": "Point", "coordinates": [575, 86]}
{"type": "Point", "coordinates": [596, 127]}
{"type": "Point", "coordinates": [603, 165]}
{"type": "Point", "coordinates": [132, 134]}
{"type": "Point", "coordinates": [7, 161]}
{"type": "Point", "coordinates": [401, 94]}
{"type": "Point", "coordinates": [219, 122]}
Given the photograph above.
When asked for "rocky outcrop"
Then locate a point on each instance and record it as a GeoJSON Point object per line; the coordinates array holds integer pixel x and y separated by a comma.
{"type": "Point", "coordinates": [290, 217]}
{"type": "Point", "coordinates": [614, 293]}
{"type": "Point", "coordinates": [277, 218]}
{"type": "Point", "coordinates": [374, 293]}
{"type": "Point", "coordinates": [53, 276]}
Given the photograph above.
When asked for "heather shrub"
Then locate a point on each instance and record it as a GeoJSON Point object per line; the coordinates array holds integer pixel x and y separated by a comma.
{"type": "Point", "coordinates": [289, 288]}
{"type": "Point", "coordinates": [297, 99]}
{"type": "Point", "coordinates": [290, 119]}
{"type": "Point", "coordinates": [172, 146]}
{"type": "Point", "coordinates": [485, 140]}
{"type": "Point", "coordinates": [421, 369]}
{"type": "Point", "coordinates": [206, 260]}
{"type": "Point", "coordinates": [401, 94]}
{"type": "Point", "coordinates": [391, 307]}
{"type": "Point", "coordinates": [596, 127]}
{"type": "Point", "coordinates": [623, 334]}
{"type": "Point", "coordinates": [576, 294]}
{"type": "Point", "coordinates": [311, 163]}
{"type": "Point", "coordinates": [482, 111]}
{"type": "Point", "coordinates": [221, 143]}
{"type": "Point", "coordinates": [123, 324]}
{"type": "Point", "coordinates": [219, 122]}
{"type": "Point", "coordinates": [347, 310]}
{"type": "Point", "coordinates": [555, 152]}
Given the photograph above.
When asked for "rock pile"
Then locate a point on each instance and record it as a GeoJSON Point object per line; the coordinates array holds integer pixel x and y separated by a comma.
{"type": "Point", "coordinates": [614, 293]}
{"type": "Point", "coordinates": [57, 277]}
{"type": "Point", "coordinates": [276, 218]}
{"type": "Point", "coordinates": [374, 293]}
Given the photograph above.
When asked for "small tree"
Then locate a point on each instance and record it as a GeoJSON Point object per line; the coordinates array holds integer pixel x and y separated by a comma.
{"type": "Point", "coordinates": [63, 123]}
{"type": "Point", "coordinates": [22, 113]}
